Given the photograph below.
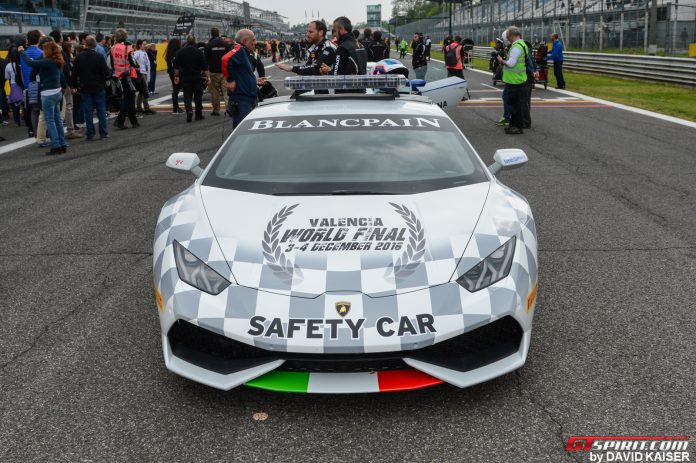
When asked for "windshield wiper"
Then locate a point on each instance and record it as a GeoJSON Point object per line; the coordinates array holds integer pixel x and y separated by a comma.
{"type": "Point", "coordinates": [295, 193]}
{"type": "Point", "coordinates": [334, 193]}
{"type": "Point", "coordinates": [360, 192]}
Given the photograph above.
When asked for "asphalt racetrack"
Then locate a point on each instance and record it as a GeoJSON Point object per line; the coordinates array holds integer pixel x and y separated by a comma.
{"type": "Point", "coordinates": [82, 376]}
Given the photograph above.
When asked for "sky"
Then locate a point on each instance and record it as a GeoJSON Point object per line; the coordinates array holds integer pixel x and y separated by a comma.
{"type": "Point", "coordinates": [355, 10]}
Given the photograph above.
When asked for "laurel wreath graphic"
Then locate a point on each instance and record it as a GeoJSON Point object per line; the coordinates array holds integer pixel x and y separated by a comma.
{"type": "Point", "coordinates": [285, 269]}
{"type": "Point", "coordinates": [281, 266]}
{"type": "Point", "coordinates": [415, 249]}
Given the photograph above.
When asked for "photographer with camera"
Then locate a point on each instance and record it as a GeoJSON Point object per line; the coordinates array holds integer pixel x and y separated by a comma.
{"type": "Point", "coordinates": [497, 68]}
{"type": "Point", "coordinates": [124, 67]}
{"type": "Point", "coordinates": [515, 78]}
{"type": "Point", "coordinates": [500, 49]}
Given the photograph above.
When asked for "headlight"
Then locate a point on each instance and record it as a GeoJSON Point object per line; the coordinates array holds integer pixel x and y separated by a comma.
{"type": "Point", "coordinates": [195, 272]}
{"type": "Point", "coordinates": [490, 270]}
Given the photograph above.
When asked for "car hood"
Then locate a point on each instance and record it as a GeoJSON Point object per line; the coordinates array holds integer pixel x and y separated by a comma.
{"type": "Point", "coordinates": [377, 245]}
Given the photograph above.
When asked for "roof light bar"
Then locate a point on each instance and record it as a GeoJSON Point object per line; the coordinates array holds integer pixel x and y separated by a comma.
{"type": "Point", "coordinates": [344, 82]}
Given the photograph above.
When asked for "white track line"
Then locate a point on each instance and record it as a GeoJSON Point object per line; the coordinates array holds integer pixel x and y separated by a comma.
{"type": "Point", "coordinates": [28, 141]}
{"type": "Point", "coordinates": [17, 145]}
{"type": "Point", "coordinates": [491, 87]}
{"type": "Point", "coordinates": [161, 99]}
{"type": "Point", "coordinates": [643, 112]}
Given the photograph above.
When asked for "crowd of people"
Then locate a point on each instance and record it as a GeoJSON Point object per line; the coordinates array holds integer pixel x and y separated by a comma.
{"type": "Point", "coordinates": [376, 46]}
{"type": "Point", "coordinates": [236, 66]}
{"type": "Point", "coordinates": [58, 82]}
{"type": "Point", "coordinates": [516, 63]}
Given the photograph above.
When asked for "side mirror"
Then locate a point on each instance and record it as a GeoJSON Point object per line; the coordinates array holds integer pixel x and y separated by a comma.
{"type": "Point", "coordinates": [185, 163]}
{"type": "Point", "coordinates": [507, 159]}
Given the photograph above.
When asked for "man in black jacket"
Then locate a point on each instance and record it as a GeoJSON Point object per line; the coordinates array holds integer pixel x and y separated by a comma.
{"type": "Point", "coordinates": [366, 41]}
{"type": "Point", "coordinates": [378, 50]}
{"type": "Point", "coordinates": [322, 51]}
{"type": "Point", "coordinates": [190, 64]}
{"type": "Point", "coordinates": [419, 61]}
{"type": "Point", "coordinates": [351, 57]}
{"type": "Point", "coordinates": [89, 76]}
{"type": "Point", "coordinates": [214, 51]}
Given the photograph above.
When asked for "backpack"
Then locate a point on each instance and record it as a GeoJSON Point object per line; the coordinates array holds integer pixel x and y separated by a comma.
{"type": "Point", "coordinates": [530, 62]}
{"type": "Point", "coordinates": [451, 58]}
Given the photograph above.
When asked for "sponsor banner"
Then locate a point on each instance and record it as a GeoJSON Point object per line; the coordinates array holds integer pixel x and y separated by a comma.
{"type": "Point", "coordinates": [184, 25]}
{"type": "Point", "coordinates": [346, 122]}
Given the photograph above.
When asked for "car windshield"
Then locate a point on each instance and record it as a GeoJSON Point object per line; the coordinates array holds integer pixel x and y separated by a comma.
{"type": "Point", "coordinates": [369, 154]}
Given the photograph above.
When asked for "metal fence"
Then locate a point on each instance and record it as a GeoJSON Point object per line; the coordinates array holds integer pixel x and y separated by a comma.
{"type": "Point", "coordinates": [655, 68]}
{"type": "Point", "coordinates": [595, 25]}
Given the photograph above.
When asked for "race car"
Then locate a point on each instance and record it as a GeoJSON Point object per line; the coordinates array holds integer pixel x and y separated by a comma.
{"type": "Point", "coordinates": [345, 243]}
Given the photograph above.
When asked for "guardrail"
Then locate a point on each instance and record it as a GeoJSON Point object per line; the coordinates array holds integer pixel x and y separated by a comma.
{"type": "Point", "coordinates": [654, 68]}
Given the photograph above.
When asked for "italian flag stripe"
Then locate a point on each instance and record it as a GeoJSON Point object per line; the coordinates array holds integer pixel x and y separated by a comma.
{"type": "Point", "coordinates": [403, 380]}
{"type": "Point", "coordinates": [282, 381]}
{"type": "Point", "coordinates": [337, 383]}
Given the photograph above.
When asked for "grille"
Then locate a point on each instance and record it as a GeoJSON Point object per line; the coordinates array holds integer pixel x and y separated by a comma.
{"type": "Point", "coordinates": [213, 351]}
{"type": "Point", "coordinates": [479, 347]}
{"type": "Point", "coordinates": [465, 352]}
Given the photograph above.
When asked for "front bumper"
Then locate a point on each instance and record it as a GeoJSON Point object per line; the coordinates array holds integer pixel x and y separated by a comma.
{"type": "Point", "coordinates": [471, 358]}
{"type": "Point", "coordinates": [372, 361]}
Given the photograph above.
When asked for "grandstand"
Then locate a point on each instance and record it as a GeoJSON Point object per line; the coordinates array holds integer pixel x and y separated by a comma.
{"type": "Point", "coordinates": [147, 19]}
{"type": "Point", "coordinates": [588, 24]}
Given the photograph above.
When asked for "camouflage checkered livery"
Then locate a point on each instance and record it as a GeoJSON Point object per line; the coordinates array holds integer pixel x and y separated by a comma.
{"type": "Point", "coordinates": [428, 287]}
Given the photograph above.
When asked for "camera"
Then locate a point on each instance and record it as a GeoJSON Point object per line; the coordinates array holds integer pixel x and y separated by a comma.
{"type": "Point", "coordinates": [129, 82]}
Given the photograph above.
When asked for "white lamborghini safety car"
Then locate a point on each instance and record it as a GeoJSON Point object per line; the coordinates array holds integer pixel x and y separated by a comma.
{"type": "Point", "coordinates": [344, 243]}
